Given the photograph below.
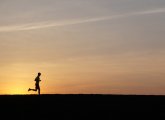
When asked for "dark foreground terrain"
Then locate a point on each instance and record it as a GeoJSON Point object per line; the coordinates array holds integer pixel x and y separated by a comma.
{"type": "Point", "coordinates": [66, 107]}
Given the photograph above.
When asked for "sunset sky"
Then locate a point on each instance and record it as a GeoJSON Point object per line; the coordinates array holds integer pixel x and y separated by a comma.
{"type": "Point", "coordinates": [83, 46]}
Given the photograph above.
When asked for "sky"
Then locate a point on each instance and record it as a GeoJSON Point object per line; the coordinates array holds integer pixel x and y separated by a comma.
{"type": "Point", "coordinates": [83, 46]}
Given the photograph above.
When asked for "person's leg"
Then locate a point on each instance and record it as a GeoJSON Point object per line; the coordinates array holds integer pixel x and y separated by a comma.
{"type": "Point", "coordinates": [32, 89]}
{"type": "Point", "coordinates": [39, 91]}
{"type": "Point", "coordinates": [29, 89]}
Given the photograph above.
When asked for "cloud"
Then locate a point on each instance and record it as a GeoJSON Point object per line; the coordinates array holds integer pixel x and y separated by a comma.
{"type": "Point", "coordinates": [47, 24]}
{"type": "Point", "coordinates": [160, 10]}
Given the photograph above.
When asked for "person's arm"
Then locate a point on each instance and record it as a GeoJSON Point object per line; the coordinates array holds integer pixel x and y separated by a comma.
{"type": "Point", "coordinates": [39, 79]}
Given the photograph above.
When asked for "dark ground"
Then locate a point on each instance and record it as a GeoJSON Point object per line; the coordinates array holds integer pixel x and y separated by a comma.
{"type": "Point", "coordinates": [66, 107]}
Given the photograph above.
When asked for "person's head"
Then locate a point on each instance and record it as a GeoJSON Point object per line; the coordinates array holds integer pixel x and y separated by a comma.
{"type": "Point", "coordinates": [39, 74]}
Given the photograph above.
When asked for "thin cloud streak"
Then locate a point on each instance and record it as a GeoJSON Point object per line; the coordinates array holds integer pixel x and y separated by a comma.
{"type": "Point", "coordinates": [48, 24]}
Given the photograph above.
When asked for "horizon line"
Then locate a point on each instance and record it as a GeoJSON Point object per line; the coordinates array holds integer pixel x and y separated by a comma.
{"type": "Point", "coordinates": [82, 94]}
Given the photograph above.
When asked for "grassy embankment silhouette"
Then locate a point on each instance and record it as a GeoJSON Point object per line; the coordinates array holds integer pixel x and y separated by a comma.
{"type": "Point", "coordinates": [82, 106]}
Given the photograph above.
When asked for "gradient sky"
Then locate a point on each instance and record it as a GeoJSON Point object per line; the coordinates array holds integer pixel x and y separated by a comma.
{"type": "Point", "coordinates": [83, 46]}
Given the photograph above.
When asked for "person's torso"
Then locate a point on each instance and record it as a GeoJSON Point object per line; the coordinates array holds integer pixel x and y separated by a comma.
{"type": "Point", "coordinates": [37, 80]}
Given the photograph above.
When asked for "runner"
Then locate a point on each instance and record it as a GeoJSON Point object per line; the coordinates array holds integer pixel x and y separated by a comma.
{"type": "Point", "coordinates": [37, 86]}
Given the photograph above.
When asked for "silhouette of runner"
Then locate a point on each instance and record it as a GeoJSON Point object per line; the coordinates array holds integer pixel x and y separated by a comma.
{"type": "Point", "coordinates": [37, 86]}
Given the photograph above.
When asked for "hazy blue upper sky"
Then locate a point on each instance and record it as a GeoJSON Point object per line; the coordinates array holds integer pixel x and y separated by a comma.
{"type": "Point", "coordinates": [83, 46]}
